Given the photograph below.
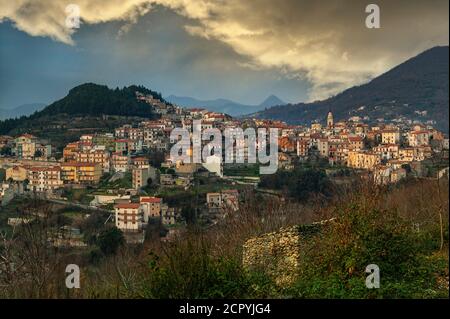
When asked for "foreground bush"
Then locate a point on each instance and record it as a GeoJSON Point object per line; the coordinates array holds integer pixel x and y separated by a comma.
{"type": "Point", "coordinates": [334, 263]}
{"type": "Point", "coordinates": [401, 230]}
{"type": "Point", "coordinates": [188, 269]}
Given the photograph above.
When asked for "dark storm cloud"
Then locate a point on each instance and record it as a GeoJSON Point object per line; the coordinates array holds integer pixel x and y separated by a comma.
{"type": "Point", "coordinates": [323, 43]}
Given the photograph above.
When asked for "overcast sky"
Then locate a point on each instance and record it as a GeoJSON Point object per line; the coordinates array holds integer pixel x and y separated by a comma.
{"type": "Point", "coordinates": [242, 50]}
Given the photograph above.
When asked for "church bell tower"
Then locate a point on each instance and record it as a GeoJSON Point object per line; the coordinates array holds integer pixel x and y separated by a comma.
{"type": "Point", "coordinates": [330, 122]}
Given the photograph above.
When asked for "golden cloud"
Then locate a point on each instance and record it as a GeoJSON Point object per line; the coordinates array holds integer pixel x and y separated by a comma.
{"type": "Point", "coordinates": [327, 44]}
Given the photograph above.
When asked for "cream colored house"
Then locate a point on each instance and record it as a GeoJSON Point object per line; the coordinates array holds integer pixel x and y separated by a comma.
{"type": "Point", "coordinates": [25, 146]}
{"type": "Point", "coordinates": [44, 178]}
{"type": "Point", "coordinates": [418, 138]}
{"type": "Point", "coordinates": [129, 216]}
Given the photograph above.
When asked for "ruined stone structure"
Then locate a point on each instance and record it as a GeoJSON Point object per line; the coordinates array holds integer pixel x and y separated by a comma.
{"type": "Point", "coordinates": [278, 254]}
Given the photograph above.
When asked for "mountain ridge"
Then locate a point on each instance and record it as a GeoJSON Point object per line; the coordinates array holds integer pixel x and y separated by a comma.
{"type": "Point", "coordinates": [20, 110]}
{"type": "Point", "coordinates": [224, 105]}
{"type": "Point", "coordinates": [418, 85]}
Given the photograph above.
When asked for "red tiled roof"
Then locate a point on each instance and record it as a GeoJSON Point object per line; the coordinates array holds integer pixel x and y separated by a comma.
{"type": "Point", "coordinates": [196, 110]}
{"type": "Point", "coordinates": [45, 168]}
{"type": "Point", "coordinates": [128, 205]}
{"type": "Point", "coordinates": [355, 139]}
{"type": "Point", "coordinates": [27, 135]}
{"type": "Point", "coordinates": [390, 131]}
{"type": "Point", "coordinates": [150, 200]}
{"type": "Point", "coordinates": [79, 164]}
{"type": "Point", "coordinates": [230, 191]}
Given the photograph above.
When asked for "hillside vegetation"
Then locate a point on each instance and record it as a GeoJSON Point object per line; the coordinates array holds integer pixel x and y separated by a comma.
{"type": "Point", "coordinates": [90, 100]}
{"type": "Point", "coordinates": [403, 229]}
{"type": "Point", "coordinates": [87, 109]}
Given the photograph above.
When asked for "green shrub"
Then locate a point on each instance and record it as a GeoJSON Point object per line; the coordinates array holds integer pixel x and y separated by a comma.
{"type": "Point", "coordinates": [188, 270]}
{"type": "Point", "coordinates": [334, 263]}
{"type": "Point", "coordinates": [109, 240]}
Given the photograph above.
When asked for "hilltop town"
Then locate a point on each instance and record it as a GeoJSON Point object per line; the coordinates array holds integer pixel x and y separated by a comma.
{"type": "Point", "coordinates": [129, 175]}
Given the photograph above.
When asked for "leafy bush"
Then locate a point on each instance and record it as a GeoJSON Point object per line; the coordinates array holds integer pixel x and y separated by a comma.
{"type": "Point", "coordinates": [109, 240]}
{"type": "Point", "coordinates": [334, 263]}
{"type": "Point", "coordinates": [188, 270]}
{"type": "Point", "coordinates": [300, 183]}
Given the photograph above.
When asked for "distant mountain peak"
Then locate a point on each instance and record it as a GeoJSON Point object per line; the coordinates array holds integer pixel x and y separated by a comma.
{"type": "Point", "coordinates": [223, 105]}
{"type": "Point", "coordinates": [272, 100]}
{"type": "Point", "coordinates": [21, 110]}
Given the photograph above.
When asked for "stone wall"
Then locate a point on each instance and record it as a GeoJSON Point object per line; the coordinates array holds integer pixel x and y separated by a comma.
{"type": "Point", "coordinates": [278, 254]}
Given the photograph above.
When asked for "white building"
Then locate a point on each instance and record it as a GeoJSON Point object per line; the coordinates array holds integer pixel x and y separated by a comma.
{"type": "Point", "coordinates": [129, 216]}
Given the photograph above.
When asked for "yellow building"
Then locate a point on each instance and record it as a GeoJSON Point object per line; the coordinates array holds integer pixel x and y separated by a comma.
{"type": "Point", "coordinates": [93, 156]}
{"type": "Point", "coordinates": [83, 173]}
{"type": "Point", "coordinates": [69, 152]}
{"type": "Point", "coordinates": [316, 127]}
{"type": "Point", "coordinates": [16, 173]}
{"type": "Point", "coordinates": [406, 154]}
{"type": "Point", "coordinates": [390, 137]}
{"type": "Point", "coordinates": [355, 143]}
{"type": "Point", "coordinates": [362, 160]}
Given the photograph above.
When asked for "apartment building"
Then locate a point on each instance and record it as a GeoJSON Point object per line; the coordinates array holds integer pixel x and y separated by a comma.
{"type": "Point", "coordinates": [384, 175]}
{"type": "Point", "coordinates": [406, 154]}
{"type": "Point", "coordinates": [129, 217]}
{"type": "Point", "coordinates": [94, 156]}
{"type": "Point", "coordinates": [122, 146]}
{"type": "Point", "coordinates": [82, 173]}
{"type": "Point", "coordinates": [120, 162]}
{"type": "Point", "coordinates": [139, 177]}
{"type": "Point", "coordinates": [69, 152]}
{"type": "Point", "coordinates": [223, 200]}
{"type": "Point", "coordinates": [302, 148]}
{"type": "Point", "coordinates": [25, 146]}
{"type": "Point", "coordinates": [151, 207]}
{"type": "Point", "coordinates": [140, 162]}
{"type": "Point", "coordinates": [418, 138]}
{"type": "Point", "coordinates": [122, 132]}
{"type": "Point", "coordinates": [44, 178]}
{"type": "Point", "coordinates": [387, 151]}
{"type": "Point", "coordinates": [390, 136]}
{"type": "Point", "coordinates": [355, 143]}
{"type": "Point", "coordinates": [323, 146]}
{"type": "Point", "coordinates": [363, 160]}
